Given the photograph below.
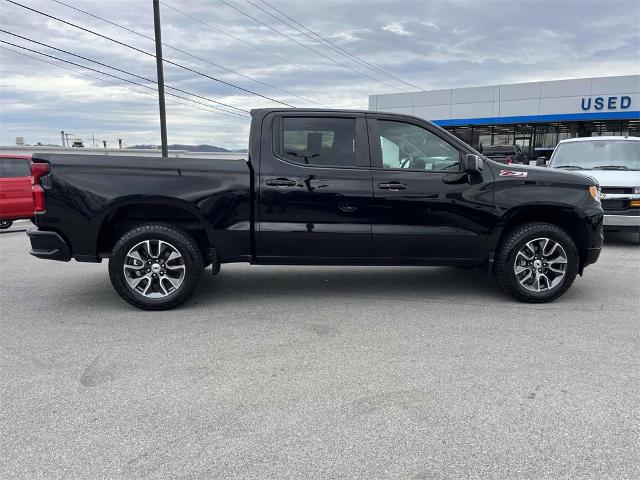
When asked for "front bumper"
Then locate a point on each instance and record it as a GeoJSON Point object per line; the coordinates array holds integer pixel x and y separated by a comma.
{"type": "Point", "coordinates": [592, 255]}
{"type": "Point", "coordinates": [48, 245]}
{"type": "Point", "coordinates": [622, 221]}
{"type": "Point", "coordinates": [594, 242]}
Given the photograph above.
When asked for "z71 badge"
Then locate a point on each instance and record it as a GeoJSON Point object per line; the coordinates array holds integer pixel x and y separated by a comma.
{"type": "Point", "coordinates": [512, 173]}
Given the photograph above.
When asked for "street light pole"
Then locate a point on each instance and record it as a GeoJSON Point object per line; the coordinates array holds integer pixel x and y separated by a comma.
{"type": "Point", "coordinates": [163, 113]}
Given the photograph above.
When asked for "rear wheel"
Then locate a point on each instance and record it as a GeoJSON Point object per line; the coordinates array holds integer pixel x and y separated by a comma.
{"type": "Point", "coordinates": [155, 266]}
{"type": "Point", "coordinates": [4, 224]}
{"type": "Point", "coordinates": [537, 262]}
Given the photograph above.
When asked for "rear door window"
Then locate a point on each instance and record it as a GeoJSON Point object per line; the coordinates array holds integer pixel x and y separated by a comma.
{"type": "Point", "coordinates": [14, 167]}
{"type": "Point", "coordinates": [320, 141]}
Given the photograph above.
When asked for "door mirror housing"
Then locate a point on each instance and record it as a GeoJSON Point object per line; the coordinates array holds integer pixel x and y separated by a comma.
{"type": "Point", "coordinates": [472, 163]}
{"type": "Point", "coordinates": [541, 161]}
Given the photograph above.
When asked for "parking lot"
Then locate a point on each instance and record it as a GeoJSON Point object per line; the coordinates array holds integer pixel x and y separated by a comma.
{"type": "Point", "coordinates": [320, 372]}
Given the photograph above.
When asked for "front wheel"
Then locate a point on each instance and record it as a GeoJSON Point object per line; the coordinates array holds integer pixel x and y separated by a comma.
{"type": "Point", "coordinates": [4, 224]}
{"type": "Point", "coordinates": [155, 266]}
{"type": "Point", "coordinates": [537, 262]}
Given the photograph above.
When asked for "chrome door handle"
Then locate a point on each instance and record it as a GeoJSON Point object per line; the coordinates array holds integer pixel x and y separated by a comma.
{"type": "Point", "coordinates": [281, 182]}
{"type": "Point", "coordinates": [394, 187]}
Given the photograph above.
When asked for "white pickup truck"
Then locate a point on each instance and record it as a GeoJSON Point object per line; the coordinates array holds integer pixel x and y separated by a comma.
{"type": "Point", "coordinates": [615, 163]}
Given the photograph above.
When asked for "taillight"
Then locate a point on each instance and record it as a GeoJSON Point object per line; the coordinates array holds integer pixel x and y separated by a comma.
{"type": "Point", "coordinates": [509, 161]}
{"type": "Point", "coordinates": [38, 170]}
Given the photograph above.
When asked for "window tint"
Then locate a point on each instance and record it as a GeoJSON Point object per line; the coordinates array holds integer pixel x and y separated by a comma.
{"type": "Point", "coordinates": [319, 141]}
{"type": "Point", "coordinates": [14, 167]}
{"type": "Point", "coordinates": [408, 146]}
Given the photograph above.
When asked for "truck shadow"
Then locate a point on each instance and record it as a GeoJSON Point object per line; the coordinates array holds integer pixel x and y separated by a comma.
{"type": "Point", "coordinates": [621, 239]}
{"type": "Point", "coordinates": [334, 284]}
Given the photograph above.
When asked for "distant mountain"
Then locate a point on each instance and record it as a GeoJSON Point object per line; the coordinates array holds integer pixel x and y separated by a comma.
{"type": "Point", "coordinates": [189, 148]}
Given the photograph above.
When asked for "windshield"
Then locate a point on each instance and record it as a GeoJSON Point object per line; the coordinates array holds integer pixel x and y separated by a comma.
{"type": "Point", "coordinates": [598, 154]}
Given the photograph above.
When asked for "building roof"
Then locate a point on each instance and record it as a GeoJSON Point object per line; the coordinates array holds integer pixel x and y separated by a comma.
{"type": "Point", "coordinates": [581, 99]}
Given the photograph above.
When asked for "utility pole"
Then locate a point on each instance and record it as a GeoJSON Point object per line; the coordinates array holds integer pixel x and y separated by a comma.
{"type": "Point", "coordinates": [163, 113]}
{"type": "Point", "coordinates": [62, 133]}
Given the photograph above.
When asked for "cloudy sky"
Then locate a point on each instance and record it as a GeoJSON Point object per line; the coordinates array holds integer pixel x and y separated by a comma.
{"type": "Point", "coordinates": [399, 46]}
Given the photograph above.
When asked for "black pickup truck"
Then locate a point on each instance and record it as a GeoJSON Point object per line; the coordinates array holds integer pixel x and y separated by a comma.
{"type": "Point", "coordinates": [324, 188]}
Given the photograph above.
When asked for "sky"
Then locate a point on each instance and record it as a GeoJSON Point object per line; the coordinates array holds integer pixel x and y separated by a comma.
{"type": "Point", "coordinates": [375, 47]}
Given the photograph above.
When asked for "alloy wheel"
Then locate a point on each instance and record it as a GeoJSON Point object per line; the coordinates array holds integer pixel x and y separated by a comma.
{"type": "Point", "coordinates": [540, 265]}
{"type": "Point", "coordinates": [154, 268]}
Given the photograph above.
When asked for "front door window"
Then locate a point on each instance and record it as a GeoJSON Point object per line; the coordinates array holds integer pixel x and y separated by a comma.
{"type": "Point", "coordinates": [409, 147]}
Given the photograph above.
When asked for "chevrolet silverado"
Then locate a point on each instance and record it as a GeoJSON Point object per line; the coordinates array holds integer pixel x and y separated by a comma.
{"type": "Point", "coordinates": [318, 187]}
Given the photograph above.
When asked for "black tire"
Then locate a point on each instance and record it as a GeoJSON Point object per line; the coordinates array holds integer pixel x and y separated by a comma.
{"type": "Point", "coordinates": [178, 239]}
{"type": "Point", "coordinates": [4, 224]}
{"type": "Point", "coordinates": [516, 239]}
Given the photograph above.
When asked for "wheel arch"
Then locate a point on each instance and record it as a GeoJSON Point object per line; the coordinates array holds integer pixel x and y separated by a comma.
{"type": "Point", "coordinates": [567, 217]}
{"type": "Point", "coordinates": [124, 215]}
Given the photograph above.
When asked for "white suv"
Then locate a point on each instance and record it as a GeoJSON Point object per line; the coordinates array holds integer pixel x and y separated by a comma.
{"type": "Point", "coordinates": [615, 163]}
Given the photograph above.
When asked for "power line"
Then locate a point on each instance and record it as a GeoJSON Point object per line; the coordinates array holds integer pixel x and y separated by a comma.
{"type": "Point", "coordinates": [120, 70]}
{"type": "Point", "coordinates": [264, 50]}
{"type": "Point", "coordinates": [170, 62]}
{"type": "Point", "coordinates": [187, 53]}
{"type": "Point", "coordinates": [114, 76]}
{"type": "Point", "coordinates": [218, 109]}
{"type": "Point", "coordinates": [78, 72]}
{"type": "Point", "coordinates": [329, 44]}
{"type": "Point", "coordinates": [129, 73]}
{"type": "Point", "coordinates": [320, 43]}
{"type": "Point", "coordinates": [317, 52]}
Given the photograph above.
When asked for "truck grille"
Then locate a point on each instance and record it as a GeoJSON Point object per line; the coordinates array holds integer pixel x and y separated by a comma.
{"type": "Point", "coordinates": [617, 190]}
{"type": "Point", "coordinates": [614, 204]}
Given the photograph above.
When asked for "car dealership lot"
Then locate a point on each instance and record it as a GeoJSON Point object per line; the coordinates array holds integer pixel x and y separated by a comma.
{"type": "Point", "coordinates": [319, 372]}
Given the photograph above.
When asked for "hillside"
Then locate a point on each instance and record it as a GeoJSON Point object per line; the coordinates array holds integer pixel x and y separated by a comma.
{"type": "Point", "coordinates": [189, 148]}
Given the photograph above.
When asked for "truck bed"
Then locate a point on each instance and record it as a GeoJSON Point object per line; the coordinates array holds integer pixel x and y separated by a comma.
{"type": "Point", "coordinates": [84, 193]}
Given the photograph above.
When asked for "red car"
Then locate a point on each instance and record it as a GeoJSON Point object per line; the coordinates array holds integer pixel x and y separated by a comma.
{"type": "Point", "coordinates": [17, 189]}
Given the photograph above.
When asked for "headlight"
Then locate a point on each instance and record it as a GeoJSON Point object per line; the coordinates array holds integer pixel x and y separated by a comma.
{"type": "Point", "coordinates": [594, 190]}
{"type": "Point", "coordinates": [635, 202]}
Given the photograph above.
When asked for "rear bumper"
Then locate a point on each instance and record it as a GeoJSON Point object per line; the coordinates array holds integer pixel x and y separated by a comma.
{"type": "Point", "coordinates": [48, 245]}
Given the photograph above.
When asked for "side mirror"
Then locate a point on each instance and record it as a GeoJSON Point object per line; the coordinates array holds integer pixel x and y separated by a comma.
{"type": "Point", "coordinates": [541, 161]}
{"type": "Point", "coordinates": [472, 163]}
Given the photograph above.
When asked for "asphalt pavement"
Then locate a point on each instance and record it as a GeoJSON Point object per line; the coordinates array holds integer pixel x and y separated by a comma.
{"type": "Point", "coordinates": [319, 372]}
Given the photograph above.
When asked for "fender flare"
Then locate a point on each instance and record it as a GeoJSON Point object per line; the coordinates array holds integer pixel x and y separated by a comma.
{"type": "Point", "coordinates": [110, 208]}
{"type": "Point", "coordinates": [501, 225]}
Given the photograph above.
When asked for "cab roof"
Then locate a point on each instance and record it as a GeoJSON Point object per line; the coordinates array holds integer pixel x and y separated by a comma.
{"type": "Point", "coordinates": [591, 139]}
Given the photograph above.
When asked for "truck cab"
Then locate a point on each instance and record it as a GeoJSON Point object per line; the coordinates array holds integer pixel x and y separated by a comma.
{"type": "Point", "coordinates": [355, 188]}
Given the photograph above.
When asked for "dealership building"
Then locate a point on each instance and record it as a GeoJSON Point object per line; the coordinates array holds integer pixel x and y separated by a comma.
{"type": "Point", "coordinates": [535, 115]}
